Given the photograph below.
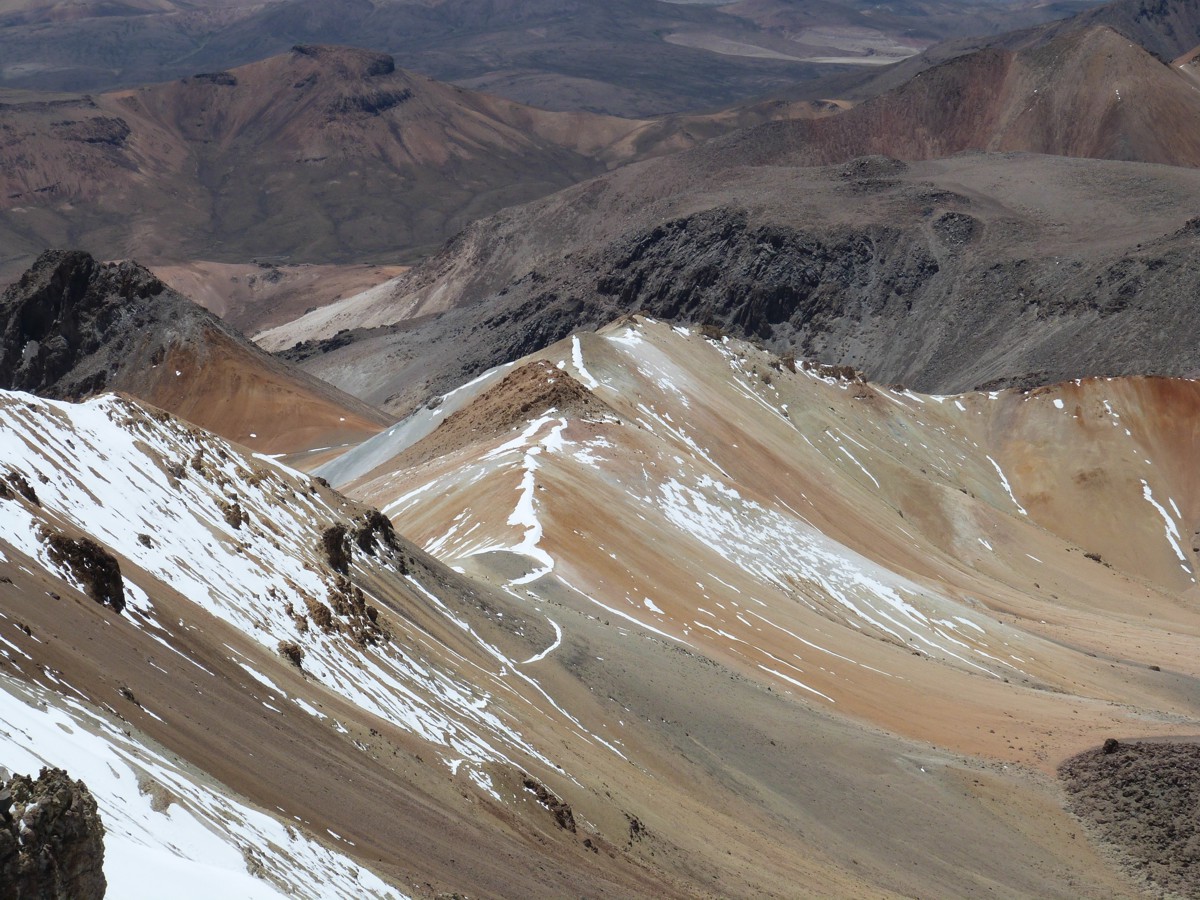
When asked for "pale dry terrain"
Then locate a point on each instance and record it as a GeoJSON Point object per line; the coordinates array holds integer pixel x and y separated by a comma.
{"type": "Point", "coordinates": [1006, 577]}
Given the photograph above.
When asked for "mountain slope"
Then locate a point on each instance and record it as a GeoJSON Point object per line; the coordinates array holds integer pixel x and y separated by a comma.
{"type": "Point", "coordinates": [713, 494]}
{"type": "Point", "coordinates": [254, 296]}
{"type": "Point", "coordinates": [72, 327]}
{"type": "Point", "coordinates": [861, 244]}
{"type": "Point", "coordinates": [1090, 93]}
{"type": "Point", "coordinates": [943, 275]}
{"type": "Point", "coordinates": [1009, 575]}
{"type": "Point", "coordinates": [339, 693]}
{"type": "Point", "coordinates": [1166, 28]}
{"type": "Point", "coordinates": [321, 154]}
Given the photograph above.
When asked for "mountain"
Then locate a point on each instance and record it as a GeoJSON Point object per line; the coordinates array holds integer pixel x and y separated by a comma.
{"type": "Point", "coordinates": [321, 154]}
{"type": "Point", "coordinates": [943, 275]}
{"type": "Point", "coordinates": [688, 652]}
{"type": "Point", "coordinates": [1165, 28]}
{"type": "Point", "coordinates": [264, 688]}
{"type": "Point", "coordinates": [1090, 93]}
{"type": "Point", "coordinates": [72, 327]}
{"type": "Point", "coordinates": [624, 57]}
{"type": "Point", "coordinates": [833, 263]}
{"type": "Point", "coordinates": [254, 296]}
{"type": "Point", "coordinates": [1006, 575]}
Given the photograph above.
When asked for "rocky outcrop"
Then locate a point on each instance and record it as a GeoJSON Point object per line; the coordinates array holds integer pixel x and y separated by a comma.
{"type": "Point", "coordinates": [90, 564]}
{"type": "Point", "coordinates": [559, 808]}
{"type": "Point", "coordinates": [756, 280]}
{"type": "Point", "coordinates": [51, 839]}
{"type": "Point", "coordinates": [72, 327]}
{"type": "Point", "coordinates": [1141, 798]}
{"type": "Point", "coordinates": [69, 321]}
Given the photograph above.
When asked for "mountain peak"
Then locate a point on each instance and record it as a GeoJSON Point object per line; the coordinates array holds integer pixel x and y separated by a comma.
{"type": "Point", "coordinates": [73, 326]}
{"type": "Point", "coordinates": [351, 61]}
{"type": "Point", "coordinates": [57, 313]}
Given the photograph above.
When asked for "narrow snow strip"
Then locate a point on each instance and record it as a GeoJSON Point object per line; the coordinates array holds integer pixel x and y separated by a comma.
{"type": "Point", "coordinates": [799, 684]}
{"type": "Point", "coordinates": [1171, 528]}
{"type": "Point", "coordinates": [1007, 487]}
{"type": "Point", "coordinates": [626, 616]}
{"type": "Point", "coordinates": [554, 646]}
{"type": "Point", "coordinates": [577, 360]}
{"type": "Point", "coordinates": [860, 465]}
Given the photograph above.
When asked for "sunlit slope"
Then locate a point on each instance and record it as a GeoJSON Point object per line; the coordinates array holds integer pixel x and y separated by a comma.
{"type": "Point", "coordinates": [287, 645]}
{"type": "Point", "coordinates": [996, 573]}
{"type": "Point", "coordinates": [577, 726]}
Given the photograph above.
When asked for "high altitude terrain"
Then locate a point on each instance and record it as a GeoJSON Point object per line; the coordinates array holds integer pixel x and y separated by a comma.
{"type": "Point", "coordinates": [876, 237]}
{"type": "Point", "coordinates": [627, 57]}
{"type": "Point", "coordinates": [943, 274]}
{"type": "Point", "coordinates": [659, 667]}
{"type": "Point", "coordinates": [1006, 574]}
{"type": "Point", "coordinates": [72, 327]}
{"type": "Point", "coordinates": [622, 564]}
{"type": "Point", "coordinates": [321, 154]}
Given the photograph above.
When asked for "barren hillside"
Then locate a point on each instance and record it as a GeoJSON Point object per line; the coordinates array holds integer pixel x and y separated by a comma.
{"type": "Point", "coordinates": [943, 275]}
{"type": "Point", "coordinates": [1006, 575]}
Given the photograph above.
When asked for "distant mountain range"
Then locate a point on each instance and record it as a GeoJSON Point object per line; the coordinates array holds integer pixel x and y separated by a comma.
{"type": "Point", "coordinates": [322, 154]}
{"type": "Point", "coordinates": [624, 57]}
{"type": "Point", "coordinates": [1020, 266]}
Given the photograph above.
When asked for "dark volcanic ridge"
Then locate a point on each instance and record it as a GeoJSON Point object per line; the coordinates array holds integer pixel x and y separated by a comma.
{"type": "Point", "coordinates": [946, 275]}
{"type": "Point", "coordinates": [72, 327]}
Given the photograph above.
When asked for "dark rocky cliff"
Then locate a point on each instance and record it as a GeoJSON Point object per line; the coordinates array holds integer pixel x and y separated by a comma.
{"type": "Point", "coordinates": [51, 839]}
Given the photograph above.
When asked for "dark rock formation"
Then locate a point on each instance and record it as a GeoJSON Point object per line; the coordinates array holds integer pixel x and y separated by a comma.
{"type": "Point", "coordinates": [90, 564]}
{"type": "Point", "coordinates": [373, 529]}
{"type": "Point", "coordinates": [560, 809]}
{"type": "Point", "coordinates": [66, 324]}
{"type": "Point", "coordinates": [336, 547]}
{"type": "Point", "coordinates": [1142, 799]}
{"type": "Point", "coordinates": [715, 267]}
{"type": "Point", "coordinates": [371, 104]}
{"type": "Point", "coordinates": [51, 839]}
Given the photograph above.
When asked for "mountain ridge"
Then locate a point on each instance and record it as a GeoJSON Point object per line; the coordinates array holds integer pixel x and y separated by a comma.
{"type": "Point", "coordinates": [72, 327]}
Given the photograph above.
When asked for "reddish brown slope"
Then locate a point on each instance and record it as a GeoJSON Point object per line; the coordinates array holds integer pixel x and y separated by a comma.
{"type": "Point", "coordinates": [320, 154]}
{"type": "Point", "coordinates": [1088, 94]}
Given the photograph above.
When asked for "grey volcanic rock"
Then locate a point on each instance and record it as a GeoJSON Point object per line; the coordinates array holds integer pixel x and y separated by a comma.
{"type": "Point", "coordinates": [943, 276]}
{"type": "Point", "coordinates": [66, 326]}
{"type": "Point", "coordinates": [764, 281]}
{"type": "Point", "coordinates": [1141, 798]}
{"type": "Point", "coordinates": [51, 839]}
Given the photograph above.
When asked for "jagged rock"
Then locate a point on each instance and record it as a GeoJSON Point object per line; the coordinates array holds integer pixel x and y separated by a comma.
{"type": "Point", "coordinates": [336, 547]}
{"type": "Point", "coordinates": [90, 564]}
{"type": "Point", "coordinates": [62, 312]}
{"type": "Point", "coordinates": [51, 839]}
{"type": "Point", "coordinates": [557, 807]}
{"type": "Point", "coordinates": [373, 529]}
